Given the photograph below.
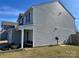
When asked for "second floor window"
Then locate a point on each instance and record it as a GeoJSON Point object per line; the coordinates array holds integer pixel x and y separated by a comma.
{"type": "Point", "coordinates": [21, 21]}
{"type": "Point", "coordinates": [24, 20]}
{"type": "Point", "coordinates": [28, 19]}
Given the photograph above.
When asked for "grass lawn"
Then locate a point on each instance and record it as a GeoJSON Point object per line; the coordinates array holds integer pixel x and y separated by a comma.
{"type": "Point", "coordinates": [53, 51]}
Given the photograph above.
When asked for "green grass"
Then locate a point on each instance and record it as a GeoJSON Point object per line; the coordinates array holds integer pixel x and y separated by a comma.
{"type": "Point", "coordinates": [53, 51]}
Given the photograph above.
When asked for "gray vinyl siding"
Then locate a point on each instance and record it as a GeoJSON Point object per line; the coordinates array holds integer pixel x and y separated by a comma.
{"type": "Point", "coordinates": [10, 36]}
{"type": "Point", "coordinates": [49, 21]}
{"type": "Point", "coordinates": [14, 37]}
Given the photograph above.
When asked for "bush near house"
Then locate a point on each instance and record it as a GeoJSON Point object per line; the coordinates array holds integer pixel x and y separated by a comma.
{"type": "Point", "coordinates": [14, 46]}
{"type": "Point", "coordinates": [4, 47]}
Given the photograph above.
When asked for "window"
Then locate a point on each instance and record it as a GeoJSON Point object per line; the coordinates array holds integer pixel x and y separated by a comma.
{"type": "Point", "coordinates": [11, 26]}
{"type": "Point", "coordinates": [28, 19]}
{"type": "Point", "coordinates": [21, 21]}
{"type": "Point", "coordinates": [6, 27]}
{"type": "Point", "coordinates": [25, 20]}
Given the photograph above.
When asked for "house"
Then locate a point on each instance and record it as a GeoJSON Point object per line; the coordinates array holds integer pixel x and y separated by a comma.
{"type": "Point", "coordinates": [74, 39]}
{"type": "Point", "coordinates": [42, 24]}
{"type": "Point", "coordinates": [0, 34]}
{"type": "Point", "coordinates": [7, 27]}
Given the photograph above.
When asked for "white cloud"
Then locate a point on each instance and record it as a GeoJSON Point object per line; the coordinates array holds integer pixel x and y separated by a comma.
{"type": "Point", "coordinates": [7, 10]}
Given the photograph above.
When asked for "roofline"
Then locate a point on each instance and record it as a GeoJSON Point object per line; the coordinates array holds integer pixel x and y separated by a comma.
{"type": "Point", "coordinates": [67, 10]}
{"type": "Point", "coordinates": [39, 5]}
{"type": "Point", "coordinates": [51, 2]}
{"type": "Point", "coordinates": [59, 3]}
{"type": "Point", "coordinates": [28, 10]}
{"type": "Point", "coordinates": [8, 21]}
{"type": "Point", "coordinates": [44, 3]}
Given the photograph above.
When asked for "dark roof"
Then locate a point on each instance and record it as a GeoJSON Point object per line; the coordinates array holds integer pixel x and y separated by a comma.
{"type": "Point", "coordinates": [8, 23]}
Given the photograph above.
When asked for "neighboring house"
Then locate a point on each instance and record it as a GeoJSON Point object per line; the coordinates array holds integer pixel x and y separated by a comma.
{"type": "Point", "coordinates": [74, 39]}
{"type": "Point", "coordinates": [3, 35]}
{"type": "Point", "coordinates": [7, 28]}
{"type": "Point", "coordinates": [41, 24]}
{"type": "Point", "coordinates": [6, 25]}
{"type": "Point", "coordinates": [0, 34]}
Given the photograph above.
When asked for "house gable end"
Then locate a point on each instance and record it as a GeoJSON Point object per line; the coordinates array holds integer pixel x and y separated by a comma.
{"type": "Point", "coordinates": [54, 2]}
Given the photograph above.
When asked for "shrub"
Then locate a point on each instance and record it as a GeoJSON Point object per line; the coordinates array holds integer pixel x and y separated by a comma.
{"type": "Point", "coordinates": [14, 46]}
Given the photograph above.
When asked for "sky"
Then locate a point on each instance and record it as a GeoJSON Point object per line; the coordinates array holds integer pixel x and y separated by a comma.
{"type": "Point", "coordinates": [10, 9]}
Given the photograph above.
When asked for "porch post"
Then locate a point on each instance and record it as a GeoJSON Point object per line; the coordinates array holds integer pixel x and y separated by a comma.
{"type": "Point", "coordinates": [22, 38]}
